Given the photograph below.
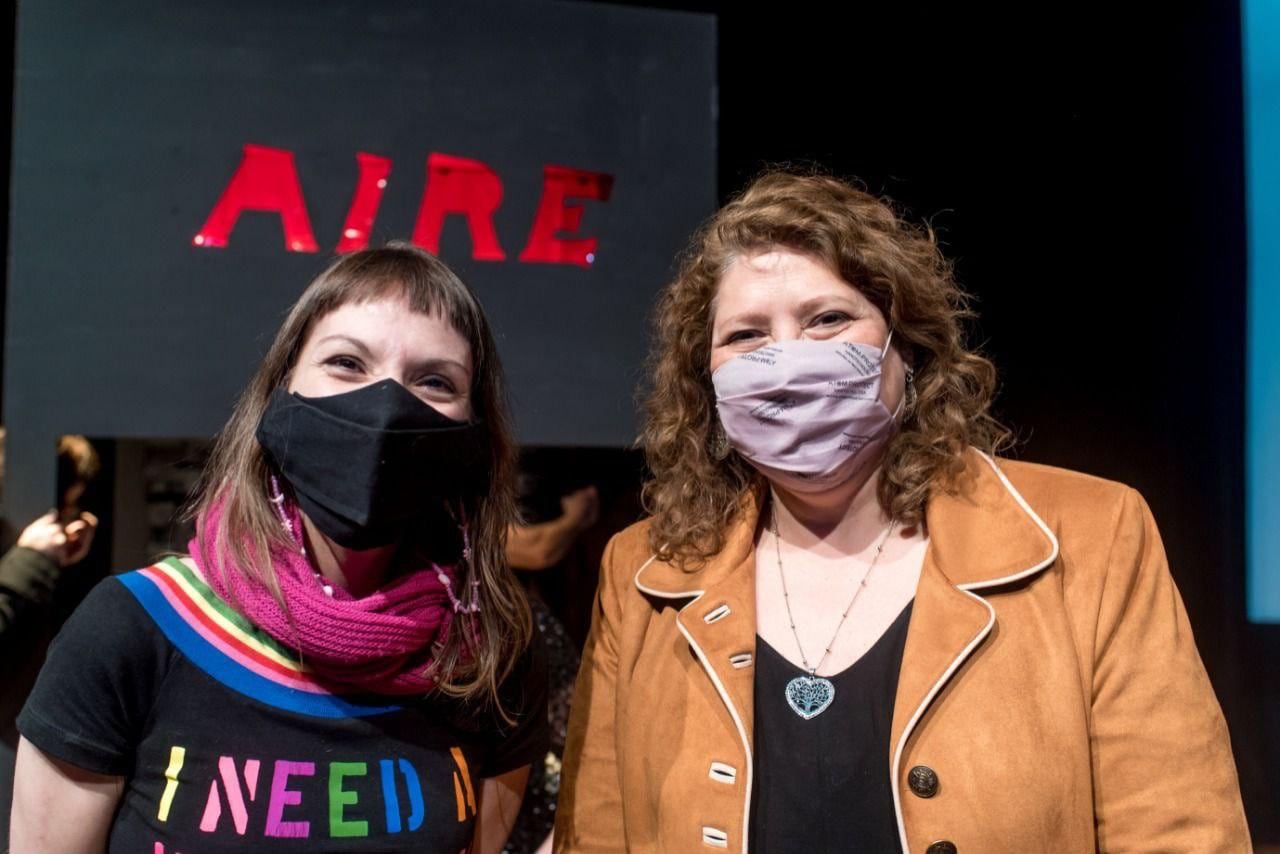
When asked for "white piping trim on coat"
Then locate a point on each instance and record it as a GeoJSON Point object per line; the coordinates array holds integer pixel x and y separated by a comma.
{"type": "Point", "coordinates": [1044, 529]}
{"type": "Point", "coordinates": [642, 568]}
{"type": "Point", "coordinates": [737, 722]}
{"type": "Point", "coordinates": [966, 589]}
{"type": "Point", "coordinates": [919, 712]}
{"type": "Point", "coordinates": [719, 686]}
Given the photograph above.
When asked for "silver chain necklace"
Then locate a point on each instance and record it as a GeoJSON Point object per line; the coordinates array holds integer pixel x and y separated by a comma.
{"type": "Point", "coordinates": [810, 696]}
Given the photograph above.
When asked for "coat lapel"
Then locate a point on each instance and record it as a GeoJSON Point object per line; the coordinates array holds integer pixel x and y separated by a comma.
{"type": "Point", "coordinates": [946, 626]}
{"type": "Point", "coordinates": [718, 614]}
{"type": "Point", "coordinates": [981, 534]}
{"type": "Point", "coordinates": [724, 636]}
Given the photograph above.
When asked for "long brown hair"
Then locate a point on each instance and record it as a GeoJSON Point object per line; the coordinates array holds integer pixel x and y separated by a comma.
{"type": "Point", "coordinates": [692, 495]}
{"type": "Point", "coordinates": [239, 473]}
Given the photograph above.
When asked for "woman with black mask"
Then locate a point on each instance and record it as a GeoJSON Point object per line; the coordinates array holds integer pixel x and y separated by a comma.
{"type": "Point", "coordinates": [343, 662]}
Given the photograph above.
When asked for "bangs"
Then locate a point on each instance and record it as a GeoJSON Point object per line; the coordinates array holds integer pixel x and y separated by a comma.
{"type": "Point", "coordinates": [402, 271]}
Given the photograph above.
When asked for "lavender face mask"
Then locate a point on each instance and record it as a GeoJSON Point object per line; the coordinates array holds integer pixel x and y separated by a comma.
{"type": "Point", "coordinates": [806, 414]}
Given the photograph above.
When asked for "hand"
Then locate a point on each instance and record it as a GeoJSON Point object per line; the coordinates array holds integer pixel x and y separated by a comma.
{"type": "Point", "coordinates": [582, 507]}
{"type": "Point", "coordinates": [79, 533]}
{"type": "Point", "coordinates": [64, 545]}
{"type": "Point", "coordinates": [46, 536]}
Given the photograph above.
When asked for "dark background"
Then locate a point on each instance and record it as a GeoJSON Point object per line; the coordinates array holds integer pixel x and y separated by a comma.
{"type": "Point", "coordinates": [129, 121]}
{"type": "Point", "coordinates": [1083, 165]}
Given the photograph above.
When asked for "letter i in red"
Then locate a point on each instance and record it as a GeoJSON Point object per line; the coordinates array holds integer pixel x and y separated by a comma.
{"type": "Point", "coordinates": [364, 204]}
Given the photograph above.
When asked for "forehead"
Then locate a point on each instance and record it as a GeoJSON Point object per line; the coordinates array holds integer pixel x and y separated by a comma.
{"type": "Point", "coordinates": [777, 276]}
{"type": "Point", "coordinates": [390, 323]}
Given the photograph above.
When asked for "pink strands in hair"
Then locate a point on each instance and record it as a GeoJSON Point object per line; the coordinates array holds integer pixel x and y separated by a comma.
{"type": "Point", "coordinates": [277, 500]}
{"type": "Point", "coordinates": [471, 609]}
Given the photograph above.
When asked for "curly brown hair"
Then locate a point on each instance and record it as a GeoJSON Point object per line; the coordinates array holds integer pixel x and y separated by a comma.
{"type": "Point", "coordinates": [692, 496]}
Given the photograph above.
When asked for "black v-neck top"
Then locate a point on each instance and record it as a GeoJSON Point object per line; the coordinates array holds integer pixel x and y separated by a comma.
{"type": "Point", "coordinates": [822, 785]}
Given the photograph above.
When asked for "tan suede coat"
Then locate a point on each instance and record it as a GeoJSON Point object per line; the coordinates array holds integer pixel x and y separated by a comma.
{"type": "Point", "coordinates": [1049, 680]}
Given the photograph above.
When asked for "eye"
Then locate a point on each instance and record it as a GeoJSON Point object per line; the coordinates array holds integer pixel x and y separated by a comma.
{"type": "Point", "coordinates": [741, 335]}
{"type": "Point", "coordinates": [435, 382]}
{"type": "Point", "coordinates": [345, 363]}
{"type": "Point", "coordinates": [830, 318]}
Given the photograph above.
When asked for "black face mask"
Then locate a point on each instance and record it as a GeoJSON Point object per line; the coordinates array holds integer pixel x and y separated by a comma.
{"type": "Point", "coordinates": [369, 466]}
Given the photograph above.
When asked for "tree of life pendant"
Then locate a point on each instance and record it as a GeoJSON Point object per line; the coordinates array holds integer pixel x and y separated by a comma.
{"type": "Point", "coordinates": [809, 696]}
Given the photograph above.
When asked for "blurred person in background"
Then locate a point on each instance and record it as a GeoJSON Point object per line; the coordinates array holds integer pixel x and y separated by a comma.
{"type": "Point", "coordinates": [534, 548]}
{"type": "Point", "coordinates": [41, 581]}
{"type": "Point", "coordinates": [31, 569]}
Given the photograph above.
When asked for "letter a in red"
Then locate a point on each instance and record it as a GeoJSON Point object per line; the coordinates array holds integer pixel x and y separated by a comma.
{"type": "Point", "coordinates": [266, 180]}
{"type": "Point", "coordinates": [554, 216]}
{"type": "Point", "coordinates": [456, 185]}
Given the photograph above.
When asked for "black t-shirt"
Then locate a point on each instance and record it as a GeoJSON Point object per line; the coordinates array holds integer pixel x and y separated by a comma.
{"type": "Point", "coordinates": [227, 742]}
{"type": "Point", "coordinates": [822, 785]}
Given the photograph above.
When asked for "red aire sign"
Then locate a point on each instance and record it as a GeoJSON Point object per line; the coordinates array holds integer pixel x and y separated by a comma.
{"type": "Point", "coordinates": [267, 180]}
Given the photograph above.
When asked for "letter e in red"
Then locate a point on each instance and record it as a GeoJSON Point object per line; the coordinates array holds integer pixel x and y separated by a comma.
{"type": "Point", "coordinates": [554, 216]}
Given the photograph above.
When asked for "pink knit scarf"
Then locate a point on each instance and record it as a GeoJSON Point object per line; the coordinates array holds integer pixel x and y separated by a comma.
{"type": "Point", "coordinates": [381, 643]}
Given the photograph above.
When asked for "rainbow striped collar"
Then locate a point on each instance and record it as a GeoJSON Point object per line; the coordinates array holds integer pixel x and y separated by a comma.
{"type": "Point", "coordinates": [228, 648]}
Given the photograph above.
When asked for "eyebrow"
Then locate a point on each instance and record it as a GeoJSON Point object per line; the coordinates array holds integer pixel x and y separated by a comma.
{"type": "Point", "coordinates": [811, 305]}
{"type": "Point", "coordinates": [354, 342]}
{"type": "Point", "coordinates": [753, 318]}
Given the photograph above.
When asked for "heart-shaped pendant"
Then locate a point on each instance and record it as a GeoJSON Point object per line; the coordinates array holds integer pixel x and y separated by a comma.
{"type": "Point", "coordinates": [809, 696]}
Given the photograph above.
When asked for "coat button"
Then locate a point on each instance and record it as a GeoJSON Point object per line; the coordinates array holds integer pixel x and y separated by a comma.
{"type": "Point", "coordinates": [944, 846]}
{"type": "Point", "coordinates": [923, 783]}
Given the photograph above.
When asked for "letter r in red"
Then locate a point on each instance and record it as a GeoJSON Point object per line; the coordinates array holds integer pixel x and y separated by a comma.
{"type": "Point", "coordinates": [456, 185]}
{"type": "Point", "coordinates": [266, 180]}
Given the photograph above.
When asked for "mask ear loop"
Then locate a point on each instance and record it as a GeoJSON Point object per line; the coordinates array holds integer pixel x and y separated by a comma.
{"type": "Point", "coordinates": [910, 385]}
{"type": "Point", "coordinates": [902, 405]}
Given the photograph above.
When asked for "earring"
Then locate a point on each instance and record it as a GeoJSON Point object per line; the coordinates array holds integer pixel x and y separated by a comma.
{"type": "Point", "coordinates": [719, 446]}
{"type": "Point", "coordinates": [912, 397]}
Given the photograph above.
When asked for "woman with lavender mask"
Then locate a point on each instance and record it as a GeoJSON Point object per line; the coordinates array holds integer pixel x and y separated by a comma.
{"type": "Point", "coordinates": [848, 625]}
